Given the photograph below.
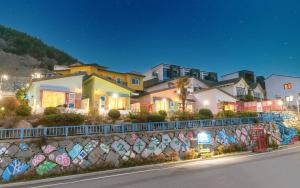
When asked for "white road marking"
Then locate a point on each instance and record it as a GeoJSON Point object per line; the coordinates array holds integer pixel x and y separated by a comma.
{"type": "Point", "coordinates": [165, 168]}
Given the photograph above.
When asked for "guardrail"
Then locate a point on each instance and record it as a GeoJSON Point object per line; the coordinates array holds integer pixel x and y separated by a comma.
{"type": "Point", "coordinates": [65, 131]}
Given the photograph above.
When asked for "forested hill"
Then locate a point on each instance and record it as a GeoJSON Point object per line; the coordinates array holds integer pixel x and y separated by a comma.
{"type": "Point", "coordinates": [20, 53]}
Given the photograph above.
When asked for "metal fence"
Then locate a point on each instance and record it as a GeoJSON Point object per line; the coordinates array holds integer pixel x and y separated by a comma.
{"type": "Point", "coordinates": [61, 131]}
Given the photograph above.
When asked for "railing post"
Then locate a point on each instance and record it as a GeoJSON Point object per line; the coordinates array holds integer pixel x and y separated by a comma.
{"type": "Point", "coordinates": [45, 130]}
{"type": "Point", "coordinates": [21, 134]}
{"type": "Point", "coordinates": [86, 129]}
{"type": "Point", "coordinates": [66, 132]}
{"type": "Point", "coordinates": [123, 128]}
{"type": "Point", "coordinates": [149, 126]}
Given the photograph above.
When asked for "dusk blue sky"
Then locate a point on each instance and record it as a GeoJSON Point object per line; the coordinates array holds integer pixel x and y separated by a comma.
{"type": "Point", "coordinates": [125, 35]}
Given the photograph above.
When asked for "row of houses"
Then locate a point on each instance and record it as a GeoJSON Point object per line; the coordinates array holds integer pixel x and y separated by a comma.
{"type": "Point", "coordinates": [93, 88]}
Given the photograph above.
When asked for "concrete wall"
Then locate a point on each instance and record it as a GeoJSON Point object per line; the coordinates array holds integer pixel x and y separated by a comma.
{"type": "Point", "coordinates": [56, 156]}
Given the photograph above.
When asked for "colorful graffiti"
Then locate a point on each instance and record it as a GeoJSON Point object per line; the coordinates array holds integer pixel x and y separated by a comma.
{"type": "Point", "coordinates": [175, 144]}
{"type": "Point", "coordinates": [48, 149]}
{"type": "Point", "coordinates": [45, 167]}
{"type": "Point", "coordinates": [37, 160]}
{"type": "Point", "coordinates": [74, 152]}
{"type": "Point", "coordinates": [139, 145]}
{"type": "Point", "coordinates": [15, 168]}
{"type": "Point", "coordinates": [63, 160]}
{"type": "Point", "coordinates": [121, 147]}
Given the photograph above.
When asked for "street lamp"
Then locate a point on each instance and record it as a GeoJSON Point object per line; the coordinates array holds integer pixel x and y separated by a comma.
{"type": "Point", "coordinates": [2, 78]}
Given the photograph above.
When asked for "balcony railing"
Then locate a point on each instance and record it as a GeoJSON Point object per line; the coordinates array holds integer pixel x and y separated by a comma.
{"type": "Point", "coordinates": [65, 131]}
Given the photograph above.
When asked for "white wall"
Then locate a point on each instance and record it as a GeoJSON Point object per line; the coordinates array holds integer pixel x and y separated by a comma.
{"type": "Point", "coordinates": [193, 83]}
{"type": "Point", "coordinates": [213, 97]}
{"type": "Point", "coordinates": [274, 87]}
{"type": "Point", "coordinates": [73, 83]}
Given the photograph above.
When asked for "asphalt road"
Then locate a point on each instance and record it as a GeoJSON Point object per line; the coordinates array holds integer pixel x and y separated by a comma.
{"type": "Point", "coordinates": [279, 169]}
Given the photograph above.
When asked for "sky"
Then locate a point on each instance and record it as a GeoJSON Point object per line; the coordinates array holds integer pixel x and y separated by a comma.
{"type": "Point", "coordinates": [134, 35]}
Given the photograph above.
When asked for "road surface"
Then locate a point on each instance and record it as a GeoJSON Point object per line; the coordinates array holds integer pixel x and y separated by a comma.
{"type": "Point", "coordinates": [279, 169]}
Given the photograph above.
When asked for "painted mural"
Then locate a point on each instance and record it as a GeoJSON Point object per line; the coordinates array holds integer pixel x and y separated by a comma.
{"type": "Point", "coordinates": [84, 152]}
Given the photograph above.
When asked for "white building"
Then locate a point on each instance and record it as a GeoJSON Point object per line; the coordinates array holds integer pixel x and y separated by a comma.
{"type": "Point", "coordinates": [211, 99]}
{"type": "Point", "coordinates": [283, 87]}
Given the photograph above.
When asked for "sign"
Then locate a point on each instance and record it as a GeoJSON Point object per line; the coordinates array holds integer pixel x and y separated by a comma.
{"type": "Point", "coordinates": [205, 150]}
{"type": "Point", "coordinates": [204, 138]}
{"type": "Point", "coordinates": [259, 107]}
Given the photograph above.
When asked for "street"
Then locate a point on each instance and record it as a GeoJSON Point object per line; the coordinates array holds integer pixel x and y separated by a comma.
{"type": "Point", "coordinates": [274, 169]}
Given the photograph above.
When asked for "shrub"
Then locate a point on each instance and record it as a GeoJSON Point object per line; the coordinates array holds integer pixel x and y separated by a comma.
{"type": "Point", "coordinates": [51, 110]}
{"type": "Point", "coordinates": [114, 114]}
{"type": "Point", "coordinates": [182, 116]}
{"type": "Point", "coordinates": [62, 119]}
{"type": "Point", "coordinates": [23, 110]}
{"type": "Point", "coordinates": [10, 104]}
{"type": "Point", "coordinates": [227, 114]}
{"type": "Point", "coordinates": [205, 114]}
{"type": "Point", "coordinates": [163, 113]}
{"type": "Point", "coordinates": [247, 114]}
{"type": "Point", "coordinates": [156, 118]}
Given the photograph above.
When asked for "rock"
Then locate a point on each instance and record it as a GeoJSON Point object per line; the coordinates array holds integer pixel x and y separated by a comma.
{"type": "Point", "coordinates": [23, 124]}
{"type": "Point", "coordinates": [12, 150]}
{"type": "Point", "coordinates": [5, 161]}
{"type": "Point", "coordinates": [112, 158]}
{"type": "Point", "coordinates": [95, 155]}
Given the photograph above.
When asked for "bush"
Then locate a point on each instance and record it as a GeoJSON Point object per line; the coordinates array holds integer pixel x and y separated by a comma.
{"type": "Point", "coordinates": [114, 114]}
{"type": "Point", "coordinates": [156, 118]}
{"type": "Point", "coordinates": [163, 113]}
{"type": "Point", "coordinates": [51, 110]}
{"type": "Point", "coordinates": [227, 114]}
{"type": "Point", "coordinates": [62, 119]}
{"type": "Point", "coordinates": [23, 110]}
{"type": "Point", "coordinates": [182, 116]}
{"type": "Point", "coordinates": [247, 114]}
{"type": "Point", "coordinates": [205, 114]}
{"type": "Point", "coordinates": [10, 104]}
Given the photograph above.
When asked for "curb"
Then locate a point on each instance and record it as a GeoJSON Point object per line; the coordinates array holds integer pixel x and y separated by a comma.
{"type": "Point", "coordinates": [119, 170]}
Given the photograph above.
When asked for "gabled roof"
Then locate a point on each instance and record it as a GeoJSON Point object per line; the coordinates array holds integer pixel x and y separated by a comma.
{"type": "Point", "coordinates": [279, 75]}
{"type": "Point", "coordinates": [58, 77]}
{"type": "Point", "coordinates": [227, 82]}
{"type": "Point", "coordinates": [208, 89]}
{"type": "Point", "coordinates": [109, 80]}
{"type": "Point", "coordinates": [206, 82]}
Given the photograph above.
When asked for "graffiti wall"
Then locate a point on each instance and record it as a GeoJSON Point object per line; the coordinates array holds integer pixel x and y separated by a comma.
{"type": "Point", "coordinates": [58, 156]}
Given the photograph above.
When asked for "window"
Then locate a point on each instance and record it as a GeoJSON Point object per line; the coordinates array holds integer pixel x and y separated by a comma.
{"type": "Point", "coordinates": [256, 95]}
{"type": "Point", "coordinates": [119, 81]}
{"type": "Point", "coordinates": [240, 91]}
{"type": "Point", "coordinates": [166, 73]}
{"type": "Point", "coordinates": [155, 74]}
{"type": "Point", "coordinates": [53, 99]}
{"type": "Point", "coordinates": [287, 86]}
{"type": "Point", "coordinates": [135, 81]}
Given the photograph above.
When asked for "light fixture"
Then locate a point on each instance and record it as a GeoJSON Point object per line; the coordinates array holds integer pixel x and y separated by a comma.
{"type": "Point", "coordinates": [205, 102]}
{"type": "Point", "coordinates": [280, 103]}
{"type": "Point", "coordinates": [115, 95]}
{"type": "Point", "coordinates": [269, 103]}
{"type": "Point", "coordinates": [4, 77]}
{"type": "Point", "coordinates": [164, 100]}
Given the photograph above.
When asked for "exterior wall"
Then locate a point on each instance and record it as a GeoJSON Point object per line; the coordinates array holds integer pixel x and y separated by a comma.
{"type": "Point", "coordinates": [211, 98]}
{"type": "Point", "coordinates": [72, 83]}
{"type": "Point", "coordinates": [259, 90]}
{"type": "Point", "coordinates": [95, 87]}
{"type": "Point", "coordinates": [194, 83]}
{"type": "Point", "coordinates": [231, 89]}
{"type": "Point", "coordinates": [125, 77]}
{"type": "Point", "coordinates": [58, 156]}
{"type": "Point", "coordinates": [274, 87]}
{"type": "Point", "coordinates": [230, 76]}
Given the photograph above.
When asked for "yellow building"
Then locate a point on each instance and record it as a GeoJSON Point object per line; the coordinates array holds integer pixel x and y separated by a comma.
{"type": "Point", "coordinates": [133, 81]}
{"type": "Point", "coordinates": [104, 94]}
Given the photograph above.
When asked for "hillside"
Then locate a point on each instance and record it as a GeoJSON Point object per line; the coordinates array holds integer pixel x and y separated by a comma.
{"type": "Point", "coordinates": [20, 53]}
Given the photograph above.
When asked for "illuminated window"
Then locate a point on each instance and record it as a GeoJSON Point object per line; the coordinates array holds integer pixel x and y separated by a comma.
{"type": "Point", "coordinates": [161, 105]}
{"type": "Point", "coordinates": [287, 86]}
{"type": "Point", "coordinates": [118, 103]}
{"type": "Point", "coordinates": [53, 99]}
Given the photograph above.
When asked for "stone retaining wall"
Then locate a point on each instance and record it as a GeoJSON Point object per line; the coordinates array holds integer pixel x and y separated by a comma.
{"type": "Point", "coordinates": [56, 156]}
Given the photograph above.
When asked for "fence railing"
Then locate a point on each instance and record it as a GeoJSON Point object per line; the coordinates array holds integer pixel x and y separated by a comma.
{"type": "Point", "coordinates": [65, 131]}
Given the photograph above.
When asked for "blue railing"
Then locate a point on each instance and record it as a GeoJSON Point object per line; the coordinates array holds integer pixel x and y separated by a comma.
{"type": "Point", "coordinates": [61, 131]}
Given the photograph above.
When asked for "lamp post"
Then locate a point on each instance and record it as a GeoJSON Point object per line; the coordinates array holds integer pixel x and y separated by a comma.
{"type": "Point", "coordinates": [2, 78]}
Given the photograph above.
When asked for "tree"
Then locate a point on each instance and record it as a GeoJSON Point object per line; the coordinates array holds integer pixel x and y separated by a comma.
{"type": "Point", "coordinates": [21, 95]}
{"type": "Point", "coordinates": [182, 84]}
